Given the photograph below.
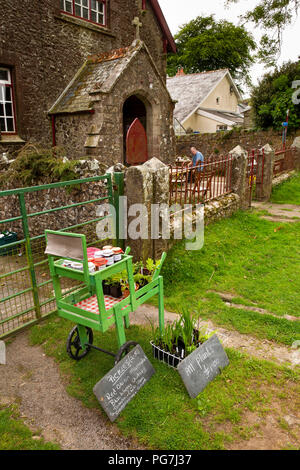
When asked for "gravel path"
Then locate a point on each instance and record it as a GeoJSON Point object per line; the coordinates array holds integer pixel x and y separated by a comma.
{"type": "Point", "coordinates": [33, 379]}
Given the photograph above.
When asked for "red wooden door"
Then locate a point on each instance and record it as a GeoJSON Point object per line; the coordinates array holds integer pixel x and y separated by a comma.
{"type": "Point", "coordinates": [136, 144]}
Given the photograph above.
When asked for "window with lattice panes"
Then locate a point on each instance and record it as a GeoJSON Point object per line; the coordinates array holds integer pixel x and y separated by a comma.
{"type": "Point", "coordinates": [7, 115]}
{"type": "Point", "coordinates": [89, 10]}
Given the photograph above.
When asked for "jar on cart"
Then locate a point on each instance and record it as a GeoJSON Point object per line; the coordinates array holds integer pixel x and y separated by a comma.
{"type": "Point", "coordinates": [117, 254]}
{"type": "Point", "coordinates": [100, 264]}
{"type": "Point", "coordinates": [109, 256]}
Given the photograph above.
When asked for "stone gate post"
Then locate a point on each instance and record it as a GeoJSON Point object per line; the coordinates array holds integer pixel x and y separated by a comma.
{"type": "Point", "coordinates": [145, 185]}
{"type": "Point", "coordinates": [296, 146]}
{"type": "Point", "coordinates": [264, 173]}
{"type": "Point", "coordinates": [239, 182]}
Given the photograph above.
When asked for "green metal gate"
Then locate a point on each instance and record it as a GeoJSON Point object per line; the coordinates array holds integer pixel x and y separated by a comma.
{"type": "Point", "coordinates": [26, 292]}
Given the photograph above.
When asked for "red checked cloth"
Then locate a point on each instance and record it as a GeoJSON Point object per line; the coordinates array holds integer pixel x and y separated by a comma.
{"type": "Point", "coordinates": [91, 304]}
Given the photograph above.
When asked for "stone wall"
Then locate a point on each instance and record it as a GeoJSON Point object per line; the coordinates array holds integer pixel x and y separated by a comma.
{"type": "Point", "coordinates": [44, 49]}
{"type": "Point", "coordinates": [47, 199]}
{"type": "Point", "coordinates": [222, 207]}
{"type": "Point", "coordinates": [222, 143]}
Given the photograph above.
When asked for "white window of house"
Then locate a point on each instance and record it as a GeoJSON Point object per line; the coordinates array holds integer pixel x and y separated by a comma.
{"type": "Point", "coordinates": [7, 115]}
{"type": "Point", "coordinates": [97, 12]}
{"type": "Point", "coordinates": [67, 5]}
{"type": "Point", "coordinates": [89, 10]}
{"type": "Point", "coordinates": [222, 128]}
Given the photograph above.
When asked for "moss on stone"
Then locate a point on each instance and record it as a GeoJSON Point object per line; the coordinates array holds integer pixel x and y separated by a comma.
{"type": "Point", "coordinates": [36, 164]}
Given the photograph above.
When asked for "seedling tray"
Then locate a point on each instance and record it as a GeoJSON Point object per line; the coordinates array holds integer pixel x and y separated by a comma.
{"type": "Point", "coordinates": [170, 359]}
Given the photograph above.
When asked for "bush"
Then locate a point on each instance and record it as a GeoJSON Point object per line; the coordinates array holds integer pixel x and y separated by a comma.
{"type": "Point", "coordinates": [36, 164]}
{"type": "Point", "coordinates": [273, 97]}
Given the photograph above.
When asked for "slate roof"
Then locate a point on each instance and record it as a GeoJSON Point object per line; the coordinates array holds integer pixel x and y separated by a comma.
{"type": "Point", "coordinates": [190, 90]}
{"type": "Point", "coordinates": [98, 74]}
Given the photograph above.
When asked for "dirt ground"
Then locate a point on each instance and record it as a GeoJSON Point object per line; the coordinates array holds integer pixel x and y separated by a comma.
{"type": "Point", "coordinates": [33, 380]}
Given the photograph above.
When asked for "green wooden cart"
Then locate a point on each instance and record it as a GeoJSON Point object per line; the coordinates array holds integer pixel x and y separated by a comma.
{"type": "Point", "coordinates": [87, 306]}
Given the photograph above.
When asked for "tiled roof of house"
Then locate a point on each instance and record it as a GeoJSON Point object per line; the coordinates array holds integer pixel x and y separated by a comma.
{"type": "Point", "coordinates": [190, 90]}
{"type": "Point", "coordinates": [98, 74]}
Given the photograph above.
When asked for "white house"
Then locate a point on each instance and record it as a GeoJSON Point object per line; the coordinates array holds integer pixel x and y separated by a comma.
{"type": "Point", "coordinates": [206, 102]}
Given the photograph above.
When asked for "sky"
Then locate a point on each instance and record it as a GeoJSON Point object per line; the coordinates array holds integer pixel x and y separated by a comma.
{"type": "Point", "coordinates": [178, 12]}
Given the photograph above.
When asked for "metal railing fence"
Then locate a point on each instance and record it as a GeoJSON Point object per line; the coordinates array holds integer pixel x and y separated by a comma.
{"type": "Point", "coordinates": [201, 183]}
{"type": "Point", "coordinates": [26, 292]}
{"type": "Point", "coordinates": [284, 160]}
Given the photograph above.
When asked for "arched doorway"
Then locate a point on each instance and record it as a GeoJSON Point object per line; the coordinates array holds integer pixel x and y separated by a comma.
{"type": "Point", "coordinates": [135, 144]}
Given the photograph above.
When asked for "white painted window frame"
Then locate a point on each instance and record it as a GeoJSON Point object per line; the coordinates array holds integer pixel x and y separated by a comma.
{"type": "Point", "coordinates": [3, 85]}
{"type": "Point", "coordinates": [99, 9]}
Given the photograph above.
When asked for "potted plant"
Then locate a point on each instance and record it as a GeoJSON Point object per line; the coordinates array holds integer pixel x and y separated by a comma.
{"type": "Point", "coordinates": [115, 289]}
{"type": "Point", "coordinates": [178, 340]}
{"type": "Point", "coordinates": [150, 267]}
{"type": "Point", "coordinates": [124, 283]}
{"type": "Point", "coordinates": [143, 274]}
{"type": "Point", "coordinates": [114, 284]}
{"type": "Point", "coordinates": [106, 287]}
{"type": "Point", "coordinates": [137, 267]}
{"type": "Point", "coordinates": [125, 287]}
{"type": "Point", "coordinates": [142, 280]}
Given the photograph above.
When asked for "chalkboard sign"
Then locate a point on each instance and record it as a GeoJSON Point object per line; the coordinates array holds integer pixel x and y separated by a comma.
{"type": "Point", "coordinates": [203, 366]}
{"type": "Point", "coordinates": [117, 388]}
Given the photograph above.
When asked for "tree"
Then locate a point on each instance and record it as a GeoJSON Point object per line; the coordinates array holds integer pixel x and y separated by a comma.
{"type": "Point", "coordinates": [273, 16]}
{"type": "Point", "coordinates": [204, 44]}
{"type": "Point", "coordinates": [275, 95]}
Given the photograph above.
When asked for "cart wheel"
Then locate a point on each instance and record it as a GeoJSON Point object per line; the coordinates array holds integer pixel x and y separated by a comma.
{"type": "Point", "coordinates": [74, 348]}
{"type": "Point", "coordinates": [124, 349]}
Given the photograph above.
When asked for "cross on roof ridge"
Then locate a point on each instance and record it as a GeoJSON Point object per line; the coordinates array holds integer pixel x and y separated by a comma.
{"type": "Point", "coordinates": [136, 22]}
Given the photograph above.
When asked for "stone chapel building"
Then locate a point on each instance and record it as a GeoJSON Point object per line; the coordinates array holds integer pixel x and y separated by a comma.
{"type": "Point", "coordinates": [87, 75]}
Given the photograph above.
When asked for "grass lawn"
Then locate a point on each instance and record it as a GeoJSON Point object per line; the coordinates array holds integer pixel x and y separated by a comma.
{"type": "Point", "coordinates": [14, 435]}
{"type": "Point", "coordinates": [287, 192]}
{"type": "Point", "coordinates": [255, 260]}
{"type": "Point", "coordinates": [162, 416]}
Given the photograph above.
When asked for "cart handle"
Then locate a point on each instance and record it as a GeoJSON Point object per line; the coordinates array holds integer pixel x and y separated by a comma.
{"type": "Point", "coordinates": [157, 271]}
{"type": "Point", "coordinates": [127, 251]}
{"type": "Point", "coordinates": [67, 245]}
